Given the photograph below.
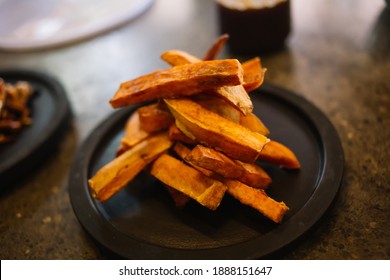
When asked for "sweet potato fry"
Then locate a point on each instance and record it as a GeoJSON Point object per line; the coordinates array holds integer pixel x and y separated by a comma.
{"type": "Point", "coordinates": [216, 47]}
{"type": "Point", "coordinates": [217, 162]}
{"type": "Point", "coordinates": [178, 197]}
{"type": "Point", "coordinates": [179, 80]}
{"type": "Point", "coordinates": [176, 174]}
{"type": "Point", "coordinates": [277, 153]}
{"type": "Point", "coordinates": [133, 132]}
{"type": "Point", "coordinates": [254, 176]}
{"type": "Point", "coordinates": [218, 105]}
{"type": "Point", "coordinates": [235, 95]}
{"type": "Point", "coordinates": [176, 57]}
{"type": "Point", "coordinates": [153, 118]}
{"type": "Point", "coordinates": [253, 74]}
{"type": "Point", "coordinates": [182, 151]}
{"type": "Point", "coordinates": [257, 199]}
{"type": "Point", "coordinates": [252, 122]}
{"type": "Point", "coordinates": [116, 174]}
{"type": "Point", "coordinates": [175, 134]}
{"type": "Point", "coordinates": [212, 160]}
{"type": "Point", "coordinates": [215, 131]}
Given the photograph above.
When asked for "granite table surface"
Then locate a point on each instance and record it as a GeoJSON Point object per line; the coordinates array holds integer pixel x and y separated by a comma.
{"type": "Point", "coordinates": [337, 57]}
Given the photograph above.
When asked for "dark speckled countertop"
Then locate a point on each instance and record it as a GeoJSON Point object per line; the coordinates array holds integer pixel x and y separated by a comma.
{"type": "Point", "coordinates": [337, 57]}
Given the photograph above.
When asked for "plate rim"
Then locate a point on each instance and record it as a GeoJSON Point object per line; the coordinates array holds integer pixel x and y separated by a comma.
{"type": "Point", "coordinates": [51, 131]}
{"type": "Point", "coordinates": [298, 224]}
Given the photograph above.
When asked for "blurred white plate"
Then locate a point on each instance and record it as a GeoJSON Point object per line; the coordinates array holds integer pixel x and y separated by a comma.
{"type": "Point", "coordinates": [27, 25]}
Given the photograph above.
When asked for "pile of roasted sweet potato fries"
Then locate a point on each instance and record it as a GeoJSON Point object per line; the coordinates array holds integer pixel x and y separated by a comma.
{"type": "Point", "coordinates": [199, 136]}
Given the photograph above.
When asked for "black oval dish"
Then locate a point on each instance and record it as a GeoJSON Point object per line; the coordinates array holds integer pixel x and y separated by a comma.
{"type": "Point", "coordinates": [50, 112]}
{"type": "Point", "coordinates": [141, 222]}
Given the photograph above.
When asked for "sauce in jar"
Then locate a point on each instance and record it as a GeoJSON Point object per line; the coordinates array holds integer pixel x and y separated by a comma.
{"type": "Point", "coordinates": [255, 26]}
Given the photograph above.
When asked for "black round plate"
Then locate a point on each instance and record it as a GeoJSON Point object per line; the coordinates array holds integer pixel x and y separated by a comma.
{"type": "Point", "coordinates": [141, 222]}
{"type": "Point", "coordinates": [50, 112]}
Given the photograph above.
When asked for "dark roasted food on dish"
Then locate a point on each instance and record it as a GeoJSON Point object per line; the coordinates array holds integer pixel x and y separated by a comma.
{"type": "Point", "coordinates": [14, 109]}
